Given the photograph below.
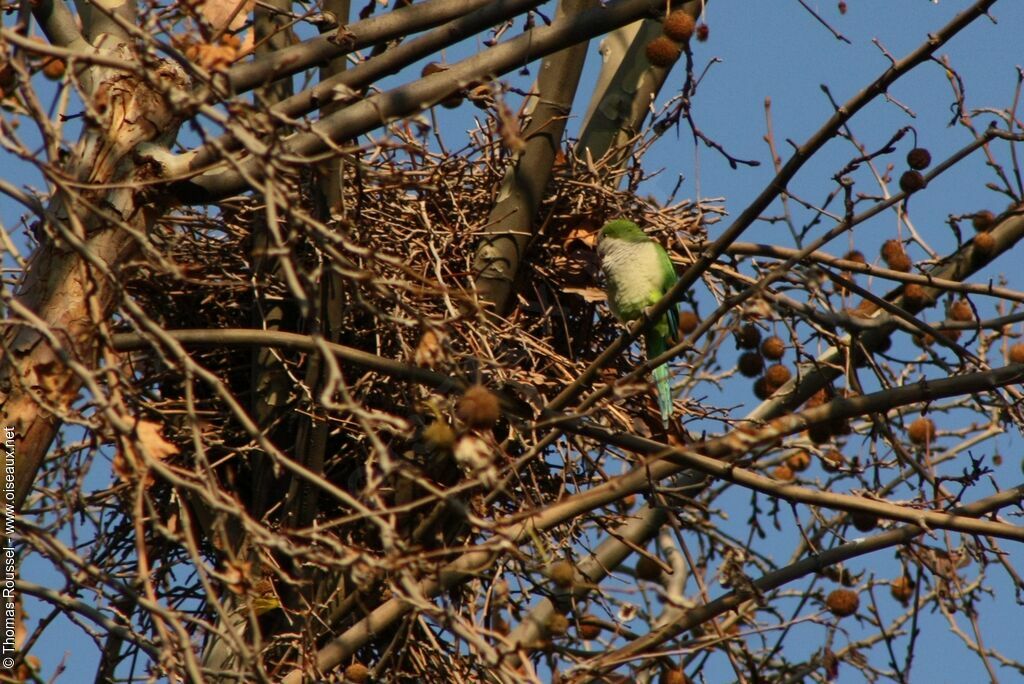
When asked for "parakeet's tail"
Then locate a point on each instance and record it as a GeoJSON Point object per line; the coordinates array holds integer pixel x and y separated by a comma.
{"type": "Point", "coordinates": [656, 347]}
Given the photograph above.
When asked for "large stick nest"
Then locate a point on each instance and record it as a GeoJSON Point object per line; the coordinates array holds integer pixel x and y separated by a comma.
{"type": "Point", "coordinates": [388, 272]}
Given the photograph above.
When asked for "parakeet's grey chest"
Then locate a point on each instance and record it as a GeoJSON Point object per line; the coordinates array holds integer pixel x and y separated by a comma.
{"type": "Point", "coordinates": [634, 274]}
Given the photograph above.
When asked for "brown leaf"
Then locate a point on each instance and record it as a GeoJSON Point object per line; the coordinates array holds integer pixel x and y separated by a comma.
{"type": "Point", "coordinates": [430, 350]}
{"type": "Point", "coordinates": [152, 441]}
{"type": "Point", "coordinates": [147, 436]}
{"type": "Point", "coordinates": [219, 12]}
{"type": "Point", "coordinates": [238, 576]}
{"type": "Point", "coordinates": [590, 294]}
{"type": "Point", "coordinates": [122, 466]}
{"type": "Point", "coordinates": [212, 57]}
{"type": "Point", "coordinates": [508, 129]}
{"type": "Point", "coordinates": [582, 233]}
{"type": "Point", "coordinates": [831, 665]}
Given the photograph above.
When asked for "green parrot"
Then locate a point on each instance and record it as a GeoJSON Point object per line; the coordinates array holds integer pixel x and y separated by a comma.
{"type": "Point", "coordinates": [638, 273]}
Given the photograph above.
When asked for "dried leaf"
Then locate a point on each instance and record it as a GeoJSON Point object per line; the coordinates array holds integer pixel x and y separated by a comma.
{"type": "Point", "coordinates": [830, 663]}
{"type": "Point", "coordinates": [473, 453]}
{"type": "Point", "coordinates": [219, 12]}
{"type": "Point", "coordinates": [582, 234]}
{"type": "Point", "coordinates": [147, 437]}
{"type": "Point", "coordinates": [237, 575]}
{"type": "Point", "coordinates": [430, 350]}
{"type": "Point", "coordinates": [508, 129]}
{"type": "Point", "coordinates": [589, 294]}
{"type": "Point", "coordinates": [212, 57]}
{"type": "Point", "coordinates": [152, 441]}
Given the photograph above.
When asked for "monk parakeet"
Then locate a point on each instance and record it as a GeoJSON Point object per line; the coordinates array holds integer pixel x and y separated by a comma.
{"type": "Point", "coordinates": [638, 273]}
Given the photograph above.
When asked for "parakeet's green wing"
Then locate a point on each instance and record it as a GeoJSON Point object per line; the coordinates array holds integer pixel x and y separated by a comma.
{"type": "Point", "coordinates": [656, 346]}
{"type": "Point", "coordinates": [670, 279]}
{"type": "Point", "coordinates": [658, 339]}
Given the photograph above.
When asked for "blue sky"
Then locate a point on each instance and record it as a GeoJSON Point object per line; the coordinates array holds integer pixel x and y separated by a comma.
{"type": "Point", "coordinates": [776, 50]}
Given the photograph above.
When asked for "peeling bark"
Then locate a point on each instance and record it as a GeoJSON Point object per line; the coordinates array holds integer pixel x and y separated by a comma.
{"type": "Point", "coordinates": [69, 287]}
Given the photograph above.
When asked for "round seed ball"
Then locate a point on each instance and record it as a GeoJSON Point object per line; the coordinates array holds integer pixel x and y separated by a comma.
{"type": "Point", "coordinates": [1017, 353]}
{"type": "Point", "coordinates": [662, 52]}
{"type": "Point", "coordinates": [479, 407]}
{"type": "Point", "coordinates": [902, 589]}
{"type": "Point", "coordinates": [842, 602]}
{"type": "Point", "coordinates": [749, 337]}
{"type": "Point", "coordinates": [679, 26]}
{"type": "Point", "coordinates": [832, 460]}
{"type": "Point", "coordinates": [816, 399]}
{"type": "Point", "coordinates": [919, 158]}
{"type": "Point", "coordinates": [750, 364]}
{"type": "Point", "coordinates": [558, 624]}
{"type": "Point", "coordinates": [984, 244]}
{"type": "Point", "coordinates": [687, 322]}
{"type": "Point", "coordinates": [865, 522]}
{"type": "Point", "coordinates": [453, 102]}
{"type": "Point", "coordinates": [921, 431]}
{"type": "Point", "coordinates": [648, 569]}
{"type": "Point", "coordinates": [915, 297]}
{"type": "Point", "coordinates": [588, 631]}
{"type": "Point", "coordinates": [855, 255]}
{"type": "Point", "coordinates": [53, 69]}
{"type": "Point", "coordinates": [840, 427]}
{"type": "Point", "coordinates": [673, 676]}
{"type": "Point", "coordinates": [912, 181]}
{"type": "Point", "coordinates": [358, 673]}
{"type": "Point", "coordinates": [961, 311]}
{"type": "Point", "coordinates": [439, 435]}
{"type": "Point", "coordinates": [562, 574]}
{"type": "Point", "coordinates": [923, 341]}
{"type": "Point", "coordinates": [901, 263]}
{"type": "Point", "coordinates": [983, 220]}
{"type": "Point", "coordinates": [799, 461]}
{"type": "Point", "coordinates": [783, 473]}
{"type": "Point", "coordinates": [819, 433]}
{"type": "Point", "coordinates": [8, 78]}
{"type": "Point", "coordinates": [777, 375]}
{"type": "Point", "coordinates": [773, 348]}
{"type": "Point", "coordinates": [863, 309]}
{"type": "Point", "coordinates": [877, 344]}
{"type": "Point", "coordinates": [891, 249]}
